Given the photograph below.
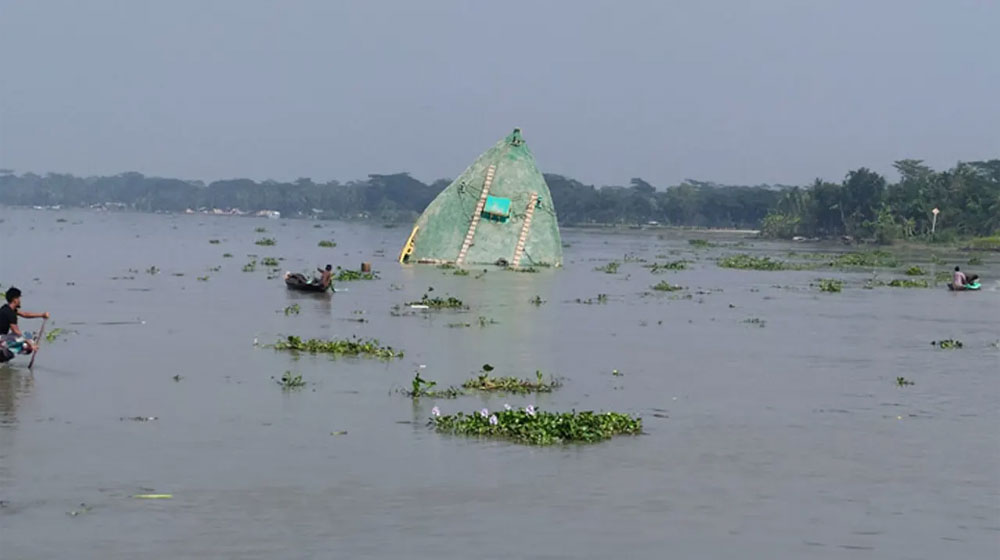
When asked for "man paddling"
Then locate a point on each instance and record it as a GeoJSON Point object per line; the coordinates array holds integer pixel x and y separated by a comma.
{"type": "Point", "coordinates": [326, 276]}
{"type": "Point", "coordinates": [9, 314]}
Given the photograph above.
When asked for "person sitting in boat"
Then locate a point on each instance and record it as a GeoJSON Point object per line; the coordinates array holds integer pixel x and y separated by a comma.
{"type": "Point", "coordinates": [326, 276]}
{"type": "Point", "coordinates": [958, 280]}
{"type": "Point", "coordinates": [9, 313]}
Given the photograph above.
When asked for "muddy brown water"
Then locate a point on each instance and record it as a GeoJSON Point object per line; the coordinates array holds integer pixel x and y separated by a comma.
{"type": "Point", "coordinates": [789, 440]}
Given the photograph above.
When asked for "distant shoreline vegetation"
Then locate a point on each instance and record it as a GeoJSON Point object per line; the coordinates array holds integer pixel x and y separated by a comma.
{"type": "Point", "coordinates": [862, 206]}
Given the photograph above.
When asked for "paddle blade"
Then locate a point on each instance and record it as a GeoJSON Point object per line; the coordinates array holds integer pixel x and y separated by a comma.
{"type": "Point", "coordinates": [38, 344]}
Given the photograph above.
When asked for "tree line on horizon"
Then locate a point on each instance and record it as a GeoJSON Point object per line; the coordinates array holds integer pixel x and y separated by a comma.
{"type": "Point", "coordinates": [864, 205]}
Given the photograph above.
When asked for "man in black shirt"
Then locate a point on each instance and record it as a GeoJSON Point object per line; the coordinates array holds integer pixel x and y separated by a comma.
{"type": "Point", "coordinates": [11, 311]}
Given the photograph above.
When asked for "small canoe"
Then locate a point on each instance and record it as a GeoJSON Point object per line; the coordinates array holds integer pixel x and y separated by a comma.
{"type": "Point", "coordinates": [296, 281]}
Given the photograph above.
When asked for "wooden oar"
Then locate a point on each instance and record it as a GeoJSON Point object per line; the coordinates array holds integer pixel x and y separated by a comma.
{"type": "Point", "coordinates": [38, 344]}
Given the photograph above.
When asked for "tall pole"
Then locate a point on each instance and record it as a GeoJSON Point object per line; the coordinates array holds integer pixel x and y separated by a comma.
{"type": "Point", "coordinates": [934, 220]}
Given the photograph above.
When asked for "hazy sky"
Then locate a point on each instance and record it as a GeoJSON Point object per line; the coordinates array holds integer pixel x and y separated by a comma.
{"type": "Point", "coordinates": [739, 91]}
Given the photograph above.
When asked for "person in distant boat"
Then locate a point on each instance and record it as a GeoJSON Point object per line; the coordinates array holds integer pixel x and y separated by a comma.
{"type": "Point", "coordinates": [958, 280]}
{"type": "Point", "coordinates": [8, 318]}
{"type": "Point", "coordinates": [326, 276]}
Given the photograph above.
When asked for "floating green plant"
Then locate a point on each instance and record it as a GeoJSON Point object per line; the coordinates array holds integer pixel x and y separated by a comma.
{"type": "Point", "coordinates": [610, 268]}
{"type": "Point", "coordinates": [700, 243]}
{"type": "Point", "coordinates": [617, 373]}
{"type": "Point", "coordinates": [53, 334]}
{"type": "Point", "coordinates": [203, 278]}
{"type": "Point", "coordinates": [269, 262]}
{"type": "Point", "coordinates": [536, 301]}
{"type": "Point", "coordinates": [421, 387]}
{"type": "Point", "coordinates": [292, 309]}
{"type": "Point", "coordinates": [460, 272]}
{"type": "Point", "coordinates": [227, 255]}
{"type": "Point", "coordinates": [250, 266]}
{"type": "Point", "coordinates": [830, 285]}
{"type": "Point", "coordinates": [947, 344]}
{"type": "Point", "coordinates": [601, 298]}
{"type": "Point", "coordinates": [260, 230]}
{"type": "Point", "coordinates": [907, 283]}
{"type": "Point", "coordinates": [266, 242]}
{"type": "Point", "coordinates": [535, 427]}
{"type": "Point", "coordinates": [755, 321]}
{"type": "Point", "coordinates": [903, 382]}
{"type": "Point", "coordinates": [482, 322]}
{"type": "Point", "coordinates": [487, 382]}
{"type": "Point", "coordinates": [326, 243]}
{"type": "Point", "coordinates": [345, 275]}
{"type": "Point", "coordinates": [750, 262]}
{"type": "Point", "coordinates": [214, 241]}
{"type": "Point", "coordinates": [446, 266]}
{"type": "Point", "coordinates": [915, 271]}
{"type": "Point", "coordinates": [439, 303]}
{"type": "Point", "coordinates": [291, 381]}
{"type": "Point", "coordinates": [876, 259]}
{"type": "Point", "coordinates": [344, 347]}
{"type": "Point", "coordinates": [523, 269]}
{"type": "Point", "coordinates": [665, 286]}
{"type": "Point", "coordinates": [152, 270]}
{"type": "Point", "coordinates": [656, 268]}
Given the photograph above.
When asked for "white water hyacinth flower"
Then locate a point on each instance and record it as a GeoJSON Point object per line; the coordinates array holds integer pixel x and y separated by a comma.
{"type": "Point", "coordinates": [484, 413]}
{"type": "Point", "coordinates": [506, 406]}
{"type": "Point", "coordinates": [435, 411]}
{"type": "Point", "coordinates": [530, 410]}
{"type": "Point", "coordinates": [493, 420]}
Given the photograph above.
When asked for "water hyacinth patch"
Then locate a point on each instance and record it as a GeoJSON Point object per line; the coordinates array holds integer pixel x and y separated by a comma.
{"type": "Point", "coordinates": [870, 259]}
{"type": "Point", "coordinates": [749, 262]}
{"type": "Point", "coordinates": [656, 268]}
{"type": "Point", "coordinates": [915, 271]}
{"type": "Point", "coordinates": [907, 283]}
{"type": "Point", "coordinates": [421, 387]}
{"type": "Point", "coordinates": [830, 285]}
{"type": "Point", "coordinates": [439, 303]}
{"type": "Point", "coordinates": [266, 242]}
{"type": "Point", "coordinates": [947, 344]}
{"type": "Point", "coordinates": [290, 381]}
{"type": "Point", "coordinates": [326, 243]}
{"type": "Point", "coordinates": [486, 382]}
{"type": "Point", "coordinates": [536, 427]}
{"type": "Point", "coordinates": [665, 286]}
{"type": "Point", "coordinates": [344, 275]}
{"type": "Point", "coordinates": [610, 268]}
{"type": "Point", "coordinates": [345, 347]}
{"type": "Point", "coordinates": [269, 262]}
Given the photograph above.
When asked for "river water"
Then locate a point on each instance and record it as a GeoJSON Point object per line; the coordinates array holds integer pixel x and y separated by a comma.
{"type": "Point", "coordinates": [774, 427]}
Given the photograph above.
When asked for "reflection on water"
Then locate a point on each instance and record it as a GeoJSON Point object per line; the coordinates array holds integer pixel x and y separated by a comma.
{"type": "Point", "coordinates": [787, 440]}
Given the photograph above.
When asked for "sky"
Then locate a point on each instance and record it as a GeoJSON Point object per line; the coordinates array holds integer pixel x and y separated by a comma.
{"type": "Point", "coordinates": [738, 92]}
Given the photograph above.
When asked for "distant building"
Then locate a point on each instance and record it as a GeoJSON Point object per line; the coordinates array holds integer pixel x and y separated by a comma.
{"type": "Point", "coordinates": [498, 211]}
